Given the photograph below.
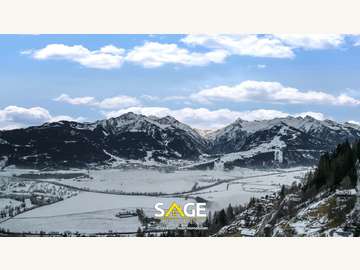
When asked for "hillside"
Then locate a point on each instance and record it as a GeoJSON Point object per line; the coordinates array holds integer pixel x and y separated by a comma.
{"type": "Point", "coordinates": [132, 137]}
{"type": "Point", "coordinates": [326, 203]}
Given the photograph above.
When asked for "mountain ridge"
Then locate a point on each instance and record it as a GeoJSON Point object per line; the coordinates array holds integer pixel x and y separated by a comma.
{"type": "Point", "coordinates": [280, 141]}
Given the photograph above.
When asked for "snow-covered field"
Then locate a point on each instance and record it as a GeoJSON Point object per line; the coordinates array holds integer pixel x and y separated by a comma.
{"type": "Point", "coordinates": [143, 180]}
{"type": "Point", "coordinates": [91, 212]}
{"type": "Point", "coordinates": [241, 191]}
{"type": "Point", "coordinates": [87, 213]}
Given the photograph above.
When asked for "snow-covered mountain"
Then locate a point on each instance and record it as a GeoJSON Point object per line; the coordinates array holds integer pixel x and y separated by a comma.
{"type": "Point", "coordinates": [287, 141]}
{"type": "Point", "coordinates": [281, 141]}
{"type": "Point", "coordinates": [129, 136]}
{"type": "Point", "coordinates": [165, 136]}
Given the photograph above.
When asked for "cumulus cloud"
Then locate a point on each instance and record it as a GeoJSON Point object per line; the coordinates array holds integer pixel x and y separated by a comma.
{"type": "Point", "coordinates": [76, 101]}
{"type": "Point", "coordinates": [149, 55]}
{"type": "Point", "coordinates": [250, 45]}
{"type": "Point", "coordinates": [19, 114]}
{"type": "Point", "coordinates": [219, 47]}
{"type": "Point", "coordinates": [154, 54]}
{"type": "Point", "coordinates": [270, 92]}
{"type": "Point", "coordinates": [107, 57]}
{"type": "Point", "coordinates": [16, 117]}
{"type": "Point", "coordinates": [313, 41]}
{"type": "Point", "coordinates": [274, 46]}
{"type": "Point", "coordinates": [119, 101]}
{"type": "Point", "coordinates": [209, 119]}
{"type": "Point", "coordinates": [107, 103]}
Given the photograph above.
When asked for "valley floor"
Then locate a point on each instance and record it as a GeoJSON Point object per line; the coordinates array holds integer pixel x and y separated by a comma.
{"type": "Point", "coordinates": [88, 201]}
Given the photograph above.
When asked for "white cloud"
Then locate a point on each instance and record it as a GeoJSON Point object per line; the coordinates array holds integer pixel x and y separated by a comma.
{"type": "Point", "coordinates": [76, 101]}
{"type": "Point", "coordinates": [313, 41]}
{"type": "Point", "coordinates": [274, 46]}
{"type": "Point", "coordinates": [16, 117]}
{"type": "Point", "coordinates": [107, 57]}
{"type": "Point", "coordinates": [207, 119]}
{"type": "Point", "coordinates": [270, 92]}
{"type": "Point", "coordinates": [118, 102]}
{"type": "Point", "coordinates": [154, 54]}
{"type": "Point", "coordinates": [107, 103]}
{"type": "Point", "coordinates": [149, 55]}
{"type": "Point", "coordinates": [66, 118]}
{"type": "Point", "coordinates": [19, 114]}
{"type": "Point", "coordinates": [250, 45]}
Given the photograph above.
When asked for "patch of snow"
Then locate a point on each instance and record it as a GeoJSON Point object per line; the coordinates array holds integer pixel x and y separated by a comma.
{"type": "Point", "coordinates": [275, 144]}
{"type": "Point", "coordinates": [2, 141]}
{"type": "Point", "coordinates": [345, 192]}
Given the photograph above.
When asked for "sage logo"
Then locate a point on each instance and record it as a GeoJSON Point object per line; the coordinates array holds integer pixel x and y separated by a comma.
{"type": "Point", "coordinates": [176, 211]}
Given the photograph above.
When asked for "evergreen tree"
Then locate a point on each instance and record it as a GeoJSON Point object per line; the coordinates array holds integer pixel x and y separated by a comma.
{"type": "Point", "coordinates": [282, 192]}
{"type": "Point", "coordinates": [335, 170]}
{"type": "Point", "coordinates": [230, 214]}
{"type": "Point", "coordinates": [222, 219]}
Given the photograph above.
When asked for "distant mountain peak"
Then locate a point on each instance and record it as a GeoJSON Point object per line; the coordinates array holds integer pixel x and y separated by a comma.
{"type": "Point", "coordinates": [287, 140]}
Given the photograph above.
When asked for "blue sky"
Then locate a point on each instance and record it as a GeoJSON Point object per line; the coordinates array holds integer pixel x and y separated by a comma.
{"type": "Point", "coordinates": [204, 81]}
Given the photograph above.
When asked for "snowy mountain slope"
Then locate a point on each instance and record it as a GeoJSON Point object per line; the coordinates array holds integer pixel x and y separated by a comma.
{"type": "Point", "coordinates": [129, 136]}
{"type": "Point", "coordinates": [206, 133]}
{"type": "Point", "coordinates": [286, 141]}
{"type": "Point", "coordinates": [280, 142]}
{"type": "Point", "coordinates": [324, 215]}
{"type": "Point", "coordinates": [331, 211]}
{"type": "Point", "coordinates": [132, 135]}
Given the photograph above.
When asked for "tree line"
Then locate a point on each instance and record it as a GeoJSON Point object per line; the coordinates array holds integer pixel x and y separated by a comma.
{"type": "Point", "coordinates": [335, 170]}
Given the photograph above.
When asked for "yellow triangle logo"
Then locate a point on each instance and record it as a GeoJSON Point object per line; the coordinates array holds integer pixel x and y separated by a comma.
{"type": "Point", "coordinates": [174, 210]}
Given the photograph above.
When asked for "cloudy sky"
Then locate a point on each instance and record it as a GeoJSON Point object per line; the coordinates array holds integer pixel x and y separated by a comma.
{"type": "Point", "coordinates": [205, 81]}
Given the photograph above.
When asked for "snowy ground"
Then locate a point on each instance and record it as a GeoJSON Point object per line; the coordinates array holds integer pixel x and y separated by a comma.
{"type": "Point", "coordinates": [240, 191]}
{"type": "Point", "coordinates": [87, 213]}
{"type": "Point", "coordinates": [4, 203]}
{"type": "Point", "coordinates": [153, 180]}
{"type": "Point", "coordinates": [90, 212]}
{"type": "Point", "coordinates": [143, 180]}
